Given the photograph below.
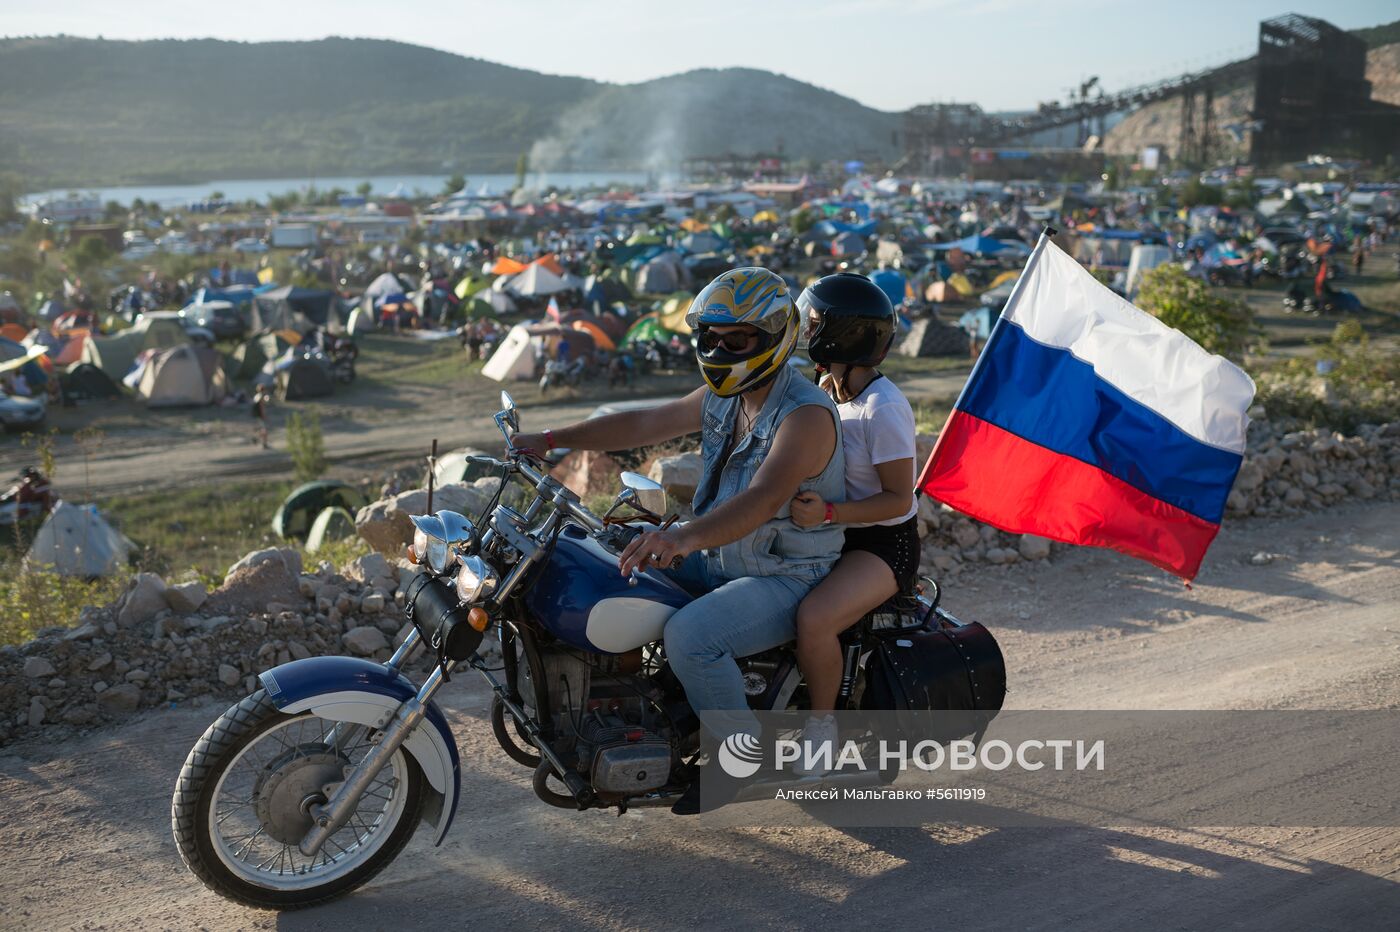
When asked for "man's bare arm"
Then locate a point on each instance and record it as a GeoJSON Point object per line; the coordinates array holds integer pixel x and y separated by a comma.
{"type": "Point", "coordinates": [627, 429]}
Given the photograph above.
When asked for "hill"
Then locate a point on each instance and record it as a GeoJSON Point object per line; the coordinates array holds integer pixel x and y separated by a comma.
{"type": "Point", "coordinates": [88, 111]}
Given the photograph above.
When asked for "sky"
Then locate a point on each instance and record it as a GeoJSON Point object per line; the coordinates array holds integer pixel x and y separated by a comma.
{"type": "Point", "coordinates": [888, 54]}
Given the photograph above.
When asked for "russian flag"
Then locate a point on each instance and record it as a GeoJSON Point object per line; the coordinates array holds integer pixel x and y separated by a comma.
{"type": "Point", "coordinates": [1090, 422]}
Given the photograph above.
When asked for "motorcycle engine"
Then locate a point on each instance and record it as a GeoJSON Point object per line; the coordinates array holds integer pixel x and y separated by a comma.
{"type": "Point", "coordinates": [604, 714]}
{"type": "Point", "coordinates": [626, 759]}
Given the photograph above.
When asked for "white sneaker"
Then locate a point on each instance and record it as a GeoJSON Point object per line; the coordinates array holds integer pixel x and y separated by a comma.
{"type": "Point", "coordinates": [818, 746]}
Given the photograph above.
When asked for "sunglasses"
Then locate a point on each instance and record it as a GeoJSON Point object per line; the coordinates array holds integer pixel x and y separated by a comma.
{"type": "Point", "coordinates": [733, 341]}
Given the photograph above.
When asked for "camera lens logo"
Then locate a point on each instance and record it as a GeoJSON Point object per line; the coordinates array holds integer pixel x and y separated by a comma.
{"type": "Point", "coordinates": [740, 755]}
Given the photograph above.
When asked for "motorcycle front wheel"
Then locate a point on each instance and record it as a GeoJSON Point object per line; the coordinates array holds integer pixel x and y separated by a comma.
{"type": "Point", "coordinates": [241, 806]}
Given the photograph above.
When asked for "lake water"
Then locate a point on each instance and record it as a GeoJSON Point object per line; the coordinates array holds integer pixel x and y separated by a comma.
{"type": "Point", "coordinates": [174, 195]}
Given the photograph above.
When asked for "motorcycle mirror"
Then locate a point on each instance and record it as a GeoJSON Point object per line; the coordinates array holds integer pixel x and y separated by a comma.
{"type": "Point", "coordinates": [508, 409]}
{"type": "Point", "coordinates": [649, 493]}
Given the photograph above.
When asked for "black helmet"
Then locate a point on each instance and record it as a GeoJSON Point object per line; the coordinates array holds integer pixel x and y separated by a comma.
{"type": "Point", "coordinates": [848, 319]}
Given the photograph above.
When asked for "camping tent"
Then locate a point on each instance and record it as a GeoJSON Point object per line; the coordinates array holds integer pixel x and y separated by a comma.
{"type": "Point", "coordinates": [514, 359]}
{"type": "Point", "coordinates": [385, 284]}
{"type": "Point", "coordinates": [600, 338]}
{"type": "Point", "coordinates": [159, 332]}
{"type": "Point", "coordinates": [113, 355]}
{"type": "Point", "coordinates": [182, 376]}
{"type": "Point", "coordinates": [361, 322]}
{"type": "Point", "coordinates": [246, 360]}
{"type": "Point", "coordinates": [76, 541]}
{"type": "Point", "coordinates": [299, 509]}
{"type": "Point", "coordinates": [976, 245]}
{"type": "Point", "coordinates": [648, 328]}
{"type": "Point", "coordinates": [537, 280]}
{"type": "Point", "coordinates": [1144, 259]}
{"type": "Point", "coordinates": [331, 524]}
{"type": "Point", "coordinates": [292, 308]}
{"type": "Point", "coordinates": [306, 377]}
{"type": "Point", "coordinates": [85, 380]}
{"type": "Point", "coordinates": [673, 312]}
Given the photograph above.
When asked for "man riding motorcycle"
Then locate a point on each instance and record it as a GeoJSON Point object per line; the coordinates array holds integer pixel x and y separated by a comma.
{"type": "Point", "coordinates": [767, 435]}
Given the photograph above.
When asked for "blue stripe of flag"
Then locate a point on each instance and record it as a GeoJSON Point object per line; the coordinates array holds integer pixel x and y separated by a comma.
{"type": "Point", "coordinates": [1045, 395]}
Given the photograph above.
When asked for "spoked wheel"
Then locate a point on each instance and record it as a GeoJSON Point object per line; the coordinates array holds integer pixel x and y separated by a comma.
{"type": "Point", "coordinates": [242, 804]}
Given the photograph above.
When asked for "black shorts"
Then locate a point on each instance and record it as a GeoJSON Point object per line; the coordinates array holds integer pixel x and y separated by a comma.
{"type": "Point", "coordinates": [896, 544]}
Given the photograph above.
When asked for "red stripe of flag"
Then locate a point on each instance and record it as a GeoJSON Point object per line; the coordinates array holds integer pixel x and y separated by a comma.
{"type": "Point", "coordinates": [1021, 487]}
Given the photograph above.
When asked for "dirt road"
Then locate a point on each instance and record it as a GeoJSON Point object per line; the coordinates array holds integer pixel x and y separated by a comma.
{"type": "Point", "coordinates": [177, 447]}
{"type": "Point", "coordinates": [87, 839]}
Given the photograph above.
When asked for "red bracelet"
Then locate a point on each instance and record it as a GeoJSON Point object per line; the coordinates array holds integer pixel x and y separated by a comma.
{"type": "Point", "coordinates": [830, 513]}
{"type": "Point", "coordinates": [549, 438]}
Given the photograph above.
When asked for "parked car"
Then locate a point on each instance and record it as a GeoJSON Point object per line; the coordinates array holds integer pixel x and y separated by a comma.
{"type": "Point", "coordinates": [18, 413]}
{"type": "Point", "coordinates": [249, 244]}
{"type": "Point", "coordinates": [218, 317]}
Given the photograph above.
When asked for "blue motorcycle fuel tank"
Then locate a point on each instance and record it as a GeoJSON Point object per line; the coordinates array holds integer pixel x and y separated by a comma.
{"type": "Point", "coordinates": [581, 598]}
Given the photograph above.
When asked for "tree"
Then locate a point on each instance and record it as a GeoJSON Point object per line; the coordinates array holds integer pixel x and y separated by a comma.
{"type": "Point", "coordinates": [1220, 324]}
{"type": "Point", "coordinates": [363, 188]}
{"type": "Point", "coordinates": [454, 184]}
{"type": "Point", "coordinates": [802, 221]}
{"type": "Point", "coordinates": [1199, 194]}
{"type": "Point", "coordinates": [91, 251]}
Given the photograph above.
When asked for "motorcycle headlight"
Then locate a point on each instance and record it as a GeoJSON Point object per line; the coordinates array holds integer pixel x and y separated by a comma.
{"type": "Point", "coordinates": [475, 579]}
{"type": "Point", "coordinates": [431, 549]}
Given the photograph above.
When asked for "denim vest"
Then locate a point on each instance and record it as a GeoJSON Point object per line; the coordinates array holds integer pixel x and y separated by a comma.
{"type": "Point", "coordinates": [778, 547]}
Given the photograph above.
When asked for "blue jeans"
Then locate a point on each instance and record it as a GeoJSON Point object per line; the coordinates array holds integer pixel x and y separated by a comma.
{"type": "Point", "coordinates": [730, 619]}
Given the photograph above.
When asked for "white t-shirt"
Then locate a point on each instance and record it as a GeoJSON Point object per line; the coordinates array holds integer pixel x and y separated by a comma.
{"type": "Point", "coordinates": [877, 426]}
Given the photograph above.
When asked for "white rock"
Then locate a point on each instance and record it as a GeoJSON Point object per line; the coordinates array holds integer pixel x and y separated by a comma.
{"type": "Point", "coordinates": [365, 641]}
{"type": "Point", "coordinates": [368, 567]}
{"type": "Point", "coordinates": [1033, 547]}
{"type": "Point", "coordinates": [36, 712]}
{"type": "Point", "coordinates": [36, 667]}
{"type": "Point", "coordinates": [373, 603]}
{"type": "Point", "coordinates": [123, 698]}
{"type": "Point", "coordinates": [145, 600]}
{"type": "Point", "coordinates": [290, 558]}
{"type": "Point", "coordinates": [186, 597]}
{"type": "Point", "coordinates": [228, 674]}
{"type": "Point", "coordinates": [679, 475]}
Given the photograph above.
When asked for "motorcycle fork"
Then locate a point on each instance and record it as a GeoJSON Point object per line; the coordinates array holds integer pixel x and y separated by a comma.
{"type": "Point", "coordinates": [332, 816]}
{"type": "Point", "coordinates": [849, 668]}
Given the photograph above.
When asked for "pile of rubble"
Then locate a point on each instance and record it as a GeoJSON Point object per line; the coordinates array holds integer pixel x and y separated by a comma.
{"type": "Point", "coordinates": [1288, 472]}
{"type": "Point", "coordinates": [162, 643]}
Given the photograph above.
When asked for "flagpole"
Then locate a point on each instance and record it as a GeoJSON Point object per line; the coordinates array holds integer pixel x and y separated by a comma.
{"type": "Point", "coordinates": [1045, 236]}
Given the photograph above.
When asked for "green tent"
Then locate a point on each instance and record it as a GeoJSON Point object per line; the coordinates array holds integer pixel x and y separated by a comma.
{"type": "Point", "coordinates": [246, 360]}
{"type": "Point", "coordinates": [113, 355]}
{"type": "Point", "coordinates": [331, 524]}
{"type": "Point", "coordinates": [648, 328]}
{"type": "Point", "coordinates": [477, 309]}
{"type": "Point", "coordinates": [299, 510]}
{"type": "Point", "coordinates": [644, 239]}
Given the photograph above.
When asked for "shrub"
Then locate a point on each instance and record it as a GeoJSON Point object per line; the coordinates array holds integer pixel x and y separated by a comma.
{"type": "Point", "coordinates": [1342, 384]}
{"type": "Point", "coordinates": [1220, 324]}
{"type": "Point", "coordinates": [32, 599]}
{"type": "Point", "coordinates": [306, 445]}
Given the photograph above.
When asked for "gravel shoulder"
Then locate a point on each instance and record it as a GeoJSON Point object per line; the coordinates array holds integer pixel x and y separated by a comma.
{"type": "Point", "coordinates": [86, 822]}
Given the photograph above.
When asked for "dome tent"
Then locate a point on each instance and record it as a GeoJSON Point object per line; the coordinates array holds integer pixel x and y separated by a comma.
{"type": "Point", "coordinates": [75, 540]}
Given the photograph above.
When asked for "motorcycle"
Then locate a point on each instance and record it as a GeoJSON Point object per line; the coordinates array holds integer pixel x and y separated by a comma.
{"type": "Point", "coordinates": [313, 784]}
{"type": "Point", "coordinates": [558, 373]}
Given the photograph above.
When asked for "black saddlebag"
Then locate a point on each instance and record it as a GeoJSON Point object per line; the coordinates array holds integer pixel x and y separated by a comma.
{"type": "Point", "coordinates": [941, 667]}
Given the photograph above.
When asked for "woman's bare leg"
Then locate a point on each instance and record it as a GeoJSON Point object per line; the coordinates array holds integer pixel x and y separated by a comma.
{"type": "Point", "coordinates": [859, 582]}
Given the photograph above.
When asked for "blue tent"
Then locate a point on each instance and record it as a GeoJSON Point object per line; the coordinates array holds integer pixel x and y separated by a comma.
{"type": "Point", "coordinates": [976, 244]}
{"type": "Point", "coordinates": [833, 228]}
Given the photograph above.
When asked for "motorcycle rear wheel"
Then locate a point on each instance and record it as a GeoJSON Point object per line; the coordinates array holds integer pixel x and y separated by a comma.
{"type": "Point", "coordinates": [262, 867]}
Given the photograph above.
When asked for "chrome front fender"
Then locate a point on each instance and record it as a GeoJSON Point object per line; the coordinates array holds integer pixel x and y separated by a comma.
{"type": "Point", "coordinates": [349, 689]}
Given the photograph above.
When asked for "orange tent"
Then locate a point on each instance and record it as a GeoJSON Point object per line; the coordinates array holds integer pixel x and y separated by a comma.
{"type": "Point", "coordinates": [599, 337]}
{"type": "Point", "coordinates": [507, 266]}
{"type": "Point", "coordinates": [72, 350]}
{"type": "Point", "coordinates": [551, 263]}
{"type": "Point", "coordinates": [691, 225]}
{"type": "Point", "coordinates": [13, 332]}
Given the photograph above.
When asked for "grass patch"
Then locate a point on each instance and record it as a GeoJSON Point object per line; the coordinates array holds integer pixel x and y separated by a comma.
{"type": "Point", "coordinates": [199, 530]}
{"type": "Point", "coordinates": [929, 417]}
{"type": "Point", "coordinates": [31, 601]}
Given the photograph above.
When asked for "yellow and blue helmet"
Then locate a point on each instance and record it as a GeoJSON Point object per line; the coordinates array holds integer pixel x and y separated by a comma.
{"type": "Point", "coordinates": [758, 298]}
